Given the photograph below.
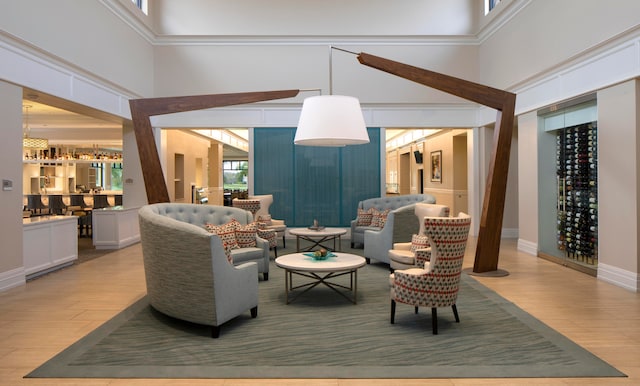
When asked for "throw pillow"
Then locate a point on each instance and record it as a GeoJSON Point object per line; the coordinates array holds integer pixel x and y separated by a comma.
{"type": "Point", "coordinates": [246, 235]}
{"type": "Point", "coordinates": [227, 234]}
{"type": "Point", "coordinates": [265, 218]}
{"type": "Point", "coordinates": [419, 242]}
{"type": "Point", "coordinates": [364, 217]}
{"type": "Point", "coordinates": [379, 218]}
{"type": "Point", "coordinates": [269, 235]}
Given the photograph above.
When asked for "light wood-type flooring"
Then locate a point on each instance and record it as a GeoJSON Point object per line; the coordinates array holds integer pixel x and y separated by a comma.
{"type": "Point", "coordinates": [46, 315]}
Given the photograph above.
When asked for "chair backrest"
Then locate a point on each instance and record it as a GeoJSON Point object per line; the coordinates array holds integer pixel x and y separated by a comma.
{"type": "Point", "coordinates": [448, 237]}
{"type": "Point", "coordinates": [395, 202]}
{"type": "Point", "coordinates": [252, 206]}
{"type": "Point", "coordinates": [423, 210]}
{"type": "Point", "coordinates": [201, 214]}
{"type": "Point", "coordinates": [265, 202]}
{"type": "Point", "coordinates": [100, 201]}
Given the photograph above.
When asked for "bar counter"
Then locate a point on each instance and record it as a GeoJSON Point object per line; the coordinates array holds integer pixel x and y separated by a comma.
{"type": "Point", "coordinates": [49, 243]}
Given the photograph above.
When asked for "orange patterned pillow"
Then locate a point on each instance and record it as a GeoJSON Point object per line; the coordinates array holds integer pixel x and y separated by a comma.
{"type": "Point", "coordinates": [364, 217]}
{"type": "Point", "coordinates": [246, 235]}
{"type": "Point", "coordinates": [379, 218]}
{"type": "Point", "coordinates": [227, 234]}
{"type": "Point", "coordinates": [265, 218]}
{"type": "Point", "coordinates": [419, 242]}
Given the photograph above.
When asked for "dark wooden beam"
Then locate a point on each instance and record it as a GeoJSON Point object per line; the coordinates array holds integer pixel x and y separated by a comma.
{"type": "Point", "coordinates": [143, 109]}
{"type": "Point", "coordinates": [488, 245]}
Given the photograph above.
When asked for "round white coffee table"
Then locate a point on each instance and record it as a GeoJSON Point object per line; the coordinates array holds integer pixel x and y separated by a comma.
{"type": "Point", "coordinates": [321, 271]}
{"type": "Point", "coordinates": [317, 237]}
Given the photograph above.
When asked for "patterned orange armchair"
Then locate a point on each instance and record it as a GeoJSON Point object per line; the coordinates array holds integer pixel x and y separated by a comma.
{"type": "Point", "coordinates": [263, 216]}
{"type": "Point", "coordinates": [437, 284]}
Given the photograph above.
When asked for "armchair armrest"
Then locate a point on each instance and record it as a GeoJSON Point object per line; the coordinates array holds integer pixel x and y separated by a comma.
{"type": "Point", "coordinates": [277, 222]}
{"type": "Point", "coordinates": [402, 246]}
{"type": "Point", "coordinates": [378, 243]}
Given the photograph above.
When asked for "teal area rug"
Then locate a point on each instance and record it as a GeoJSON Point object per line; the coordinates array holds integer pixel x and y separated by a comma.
{"type": "Point", "coordinates": [322, 335]}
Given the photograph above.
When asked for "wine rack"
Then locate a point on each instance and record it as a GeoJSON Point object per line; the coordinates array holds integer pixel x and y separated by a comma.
{"type": "Point", "coordinates": [577, 176]}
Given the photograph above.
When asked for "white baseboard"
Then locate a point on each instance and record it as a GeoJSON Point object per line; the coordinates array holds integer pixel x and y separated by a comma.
{"type": "Point", "coordinates": [619, 277]}
{"type": "Point", "coordinates": [509, 233]}
{"type": "Point", "coordinates": [118, 244]}
{"type": "Point", "coordinates": [528, 247]}
{"type": "Point", "coordinates": [10, 279]}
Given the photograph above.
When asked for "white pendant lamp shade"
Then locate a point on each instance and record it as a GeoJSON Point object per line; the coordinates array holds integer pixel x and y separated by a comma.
{"type": "Point", "coordinates": [331, 120]}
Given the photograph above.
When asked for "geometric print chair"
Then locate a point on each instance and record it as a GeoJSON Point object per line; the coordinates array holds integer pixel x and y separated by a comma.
{"type": "Point", "coordinates": [438, 283]}
{"type": "Point", "coordinates": [254, 205]}
{"type": "Point", "coordinates": [415, 253]}
{"type": "Point", "coordinates": [262, 215]}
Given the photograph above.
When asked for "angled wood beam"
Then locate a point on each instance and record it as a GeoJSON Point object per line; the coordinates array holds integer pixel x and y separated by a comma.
{"type": "Point", "coordinates": [143, 109]}
{"type": "Point", "coordinates": [488, 245]}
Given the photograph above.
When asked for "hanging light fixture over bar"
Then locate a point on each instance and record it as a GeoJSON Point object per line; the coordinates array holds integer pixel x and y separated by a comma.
{"type": "Point", "coordinates": [35, 143]}
{"type": "Point", "coordinates": [27, 141]}
{"type": "Point", "coordinates": [331, 120]}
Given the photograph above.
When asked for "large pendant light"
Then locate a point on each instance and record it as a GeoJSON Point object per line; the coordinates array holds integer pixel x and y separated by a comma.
{"type": "Point", "coordinates": [331, 120]}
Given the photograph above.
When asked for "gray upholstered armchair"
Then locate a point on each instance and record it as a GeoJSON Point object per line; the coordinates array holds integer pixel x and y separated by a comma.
{"type": "Point", "coordinates": [415, 253]}
{"type": "Point", "coordinates": [188, 274]}
{"type": "Point", "coordinates": [400, 225]}
{"type": "Point", "coordinates": [391, 203]}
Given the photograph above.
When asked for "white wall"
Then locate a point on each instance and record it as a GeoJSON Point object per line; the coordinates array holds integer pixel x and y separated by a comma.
{"type": "Point", "coordinates": [85, 34]}
{"type": "Point", "coordinates": [528, 186]}
{"type": "Point", "coordinates": [619, 183]}
{"type": "Point", "coordinates": [11, 267]}
{"type": "Point", "coordinates": [547, 34]}
{"type": "Point", "coordinates": [315, 18]}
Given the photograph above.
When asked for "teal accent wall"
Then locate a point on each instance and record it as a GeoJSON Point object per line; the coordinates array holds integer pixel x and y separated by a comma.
{"type": "Point", "coordinates": [308, 182]}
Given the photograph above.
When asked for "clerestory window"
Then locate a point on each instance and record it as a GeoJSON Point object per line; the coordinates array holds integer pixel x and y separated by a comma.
{"type": "Point", "coordinates": [142, 4]}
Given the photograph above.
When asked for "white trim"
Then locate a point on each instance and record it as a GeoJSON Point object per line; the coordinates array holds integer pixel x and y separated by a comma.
{"type": "Point", "coordinates": [27, 66]}
{"type": "Point", "coordinates": [528, 247]}
{"type": "Point", "coordinates": [509, 233]}
{"type": "Point", "coordinates": [263, 115]}
{"type": "Point", "coordinates": [619, 277]}
{"type": "Point", "coordinates": [13, 278]}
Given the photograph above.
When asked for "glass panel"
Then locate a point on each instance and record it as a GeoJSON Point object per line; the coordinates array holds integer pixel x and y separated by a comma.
{"type": "Point", "coordinates": [360, 175]}
{"type": "Point", "coordinates": [308, 183]}
{"type": "Point", "coordinates": [317, 177]}
{"type": "Point", "coordinates": [273, 168]}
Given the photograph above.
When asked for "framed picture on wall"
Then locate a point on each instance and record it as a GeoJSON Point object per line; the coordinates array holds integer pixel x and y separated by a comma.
{"type": "Point", "coordinates": [436, 166]}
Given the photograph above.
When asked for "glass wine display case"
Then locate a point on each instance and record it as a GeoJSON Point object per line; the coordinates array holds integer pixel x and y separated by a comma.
{"type": "Point", "coordinates": [577, 192]}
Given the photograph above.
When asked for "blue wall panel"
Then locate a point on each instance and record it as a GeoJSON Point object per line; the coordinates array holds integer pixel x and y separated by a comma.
{"type": "Point", "coordinates": [307, 182]}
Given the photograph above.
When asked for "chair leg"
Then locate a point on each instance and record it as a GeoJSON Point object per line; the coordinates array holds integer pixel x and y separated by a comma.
{"type": "Point", "coordinates": [416, 310]}
{"type": "Point", "coordinates": [284, 243]}
{"type": "Point", "coordinates": [393, 311]}
{"type": "Point", "coordinates": [368, 260]}
{"type": "Point", "coordinates": [455, 313]}
{"type": "Point", "coordinates": [254, 312]}
{"type": "Point", "coordinates": [265, 276]}
{"type": "Point", "coordinates": [215, 332]}
{"type": "Point", "coordinates": [275, 251]}
{"type": "Point", "coordinates": [434, 320]}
